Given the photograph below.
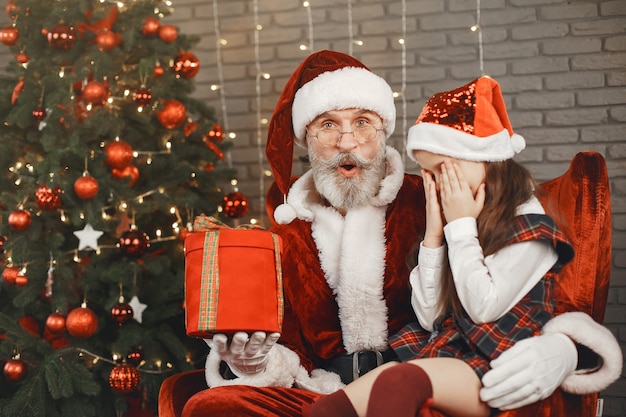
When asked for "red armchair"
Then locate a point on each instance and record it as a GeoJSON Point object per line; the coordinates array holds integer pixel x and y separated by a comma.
{"type": "Point", "coordinates": [582, 196]}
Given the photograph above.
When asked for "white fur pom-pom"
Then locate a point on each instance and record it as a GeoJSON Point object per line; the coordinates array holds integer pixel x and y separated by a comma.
{"type": "Point", "coordinates": [518, 143]}
{"type": "Point", "coordinates": [284, 214]}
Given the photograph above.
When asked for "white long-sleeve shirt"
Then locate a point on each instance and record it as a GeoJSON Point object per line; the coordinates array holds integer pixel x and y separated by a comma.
{"type": "Point", "coordinates": [487, 287]}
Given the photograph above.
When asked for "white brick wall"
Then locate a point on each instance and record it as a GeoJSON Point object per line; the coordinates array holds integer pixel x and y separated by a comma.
{"type": "Point", "coordinates": [561, 64]}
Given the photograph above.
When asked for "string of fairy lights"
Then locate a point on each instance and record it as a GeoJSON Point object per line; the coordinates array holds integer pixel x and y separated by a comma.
{"type": "Point", "coordinates": [309, 18]}
{"type": "Point", "coordinates": [309, 45]}
{"type": "Point", "coordinates": [261, 122]}
{"type": "Point", "coordinates": [402, 95]}
{"type": "Point", "coordinates": [476, 28]}
{"type": "Point", "coordinates": [220, 76]}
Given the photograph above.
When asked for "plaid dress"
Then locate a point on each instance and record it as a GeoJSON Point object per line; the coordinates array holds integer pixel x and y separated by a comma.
{"type": "Point", "coordinates": [478, 344]}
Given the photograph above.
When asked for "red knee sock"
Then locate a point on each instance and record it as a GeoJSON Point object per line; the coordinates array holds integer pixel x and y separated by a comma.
{"type": "Point", "coordinates": [399, 391]}
{"type": "Point", "coordinates": [336, 404]}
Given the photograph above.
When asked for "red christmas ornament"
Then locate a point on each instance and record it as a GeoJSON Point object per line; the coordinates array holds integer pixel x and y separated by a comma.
{"type": "Point", "coordinates": [186, 65]}
{"type": "Point", "coordinates": [158, 71]}
{"type": "Point", "coordinates": [86, 186]}
{"type": "Point", "coordinates": [190, 128]}
{"type": "Point", "coordinates": [21, 280]}
{"type": "Point", "coordinates": [39, 114]}
{"type": "Point", "coordinates": [56, 340]}
{"type": "Point", "coordinates": [124, 378]}
{"type": "Point", "coordinates": [135, 357]}
{"type": "Point", "coordinates": [20, 220]}
{"type": "Point", "coordinates": [77, 87]}
{"type": "Point", "coordinates": [210, 167]}
{"type": "Point", "coordinates": [131, 172]}
{"type": "Point", "coordinates": [9, 275]}
{"type": "Point", "coordinates": [168, 33]}
{"type": "Point", "coordinates": [29, 324]}
{"type": "Point", "coordinates": [95, 93]}
{"type": "Point", "coordinates": [17, 90]}
{"type": "Point", "coordinates": [217, 134]}
{"type": "Point", "coordinates": [235, 205]}
{"type": "Point", "coordinates": [142, 96]}
{"type": "Point", "coordinates": [15, 370]}
{"type": "Point", "coordinates": [9, 35]}
{"type": "Point", "coordinates": [45, 294]}
{"type": "Point", "coordinates": [172, 114]}
{"type": "Point", "coordinates": [22, 58]}
{"type": "Point", "coordinates": [55, 323]}
{"type": "Point", "coordinates": [48, 199]}
{"type": "Point", "coordinates": [216, 149]}
{"type": "Point", "coordinates": [81, 322]}
{"type": "Point", "coordinates": [61, 36]}
{"type": "Point", "coordinates": [2, 240]}
{"type": "Point", "coordinates": [12, 10]}
{"type": "Point", "coordinates": [134, 243]}
{"type": "Point", "coordinates": [122, 313]}
{"type": "Point", "coordinates": [150, 27]}
{"type": "Point", "coordinates": [108, 40]}
{"type": "Point", "coordinates": [119, 154]}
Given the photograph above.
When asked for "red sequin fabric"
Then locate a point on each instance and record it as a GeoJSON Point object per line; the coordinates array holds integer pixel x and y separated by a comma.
{"type": "Point", "coordinates": [454, 108]}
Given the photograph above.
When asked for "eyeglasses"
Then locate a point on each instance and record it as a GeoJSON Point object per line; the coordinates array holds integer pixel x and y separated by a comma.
{"type": "Point", "coordinates": [330, 136]}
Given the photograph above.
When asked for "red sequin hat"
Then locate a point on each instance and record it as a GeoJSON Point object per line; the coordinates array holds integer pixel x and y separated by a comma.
{"type": "Point", "coordinates": [469, 122]}
{"type": "Point", "coordinates": [324, 81]}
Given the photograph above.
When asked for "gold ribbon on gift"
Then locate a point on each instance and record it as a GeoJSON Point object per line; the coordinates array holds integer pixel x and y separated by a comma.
{"type": "Point", "coordinates": [210, 269]}
{"type": "Point", "coordinates": [204, 223]}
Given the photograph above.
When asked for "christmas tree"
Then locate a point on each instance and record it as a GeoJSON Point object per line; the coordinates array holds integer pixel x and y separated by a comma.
{"type": "Point", "coordinates": [106, 159]}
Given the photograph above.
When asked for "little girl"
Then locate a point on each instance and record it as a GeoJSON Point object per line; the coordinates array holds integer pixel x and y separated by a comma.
{"type": "Point", "coordinates": [485, 266]}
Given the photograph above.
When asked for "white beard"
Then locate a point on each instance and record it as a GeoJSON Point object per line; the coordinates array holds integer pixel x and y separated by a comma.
{"type": "Point", "coordinates": [345, 193]}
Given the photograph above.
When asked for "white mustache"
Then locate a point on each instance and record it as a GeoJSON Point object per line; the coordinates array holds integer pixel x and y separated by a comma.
{"type": "Point", "coordinates": [342, 158]}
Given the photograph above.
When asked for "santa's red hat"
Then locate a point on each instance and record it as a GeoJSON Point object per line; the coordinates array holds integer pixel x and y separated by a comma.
{"type": "Point", "coordinates": [325, 80]}
{"type": "Point", "coordinates": [469, 122]}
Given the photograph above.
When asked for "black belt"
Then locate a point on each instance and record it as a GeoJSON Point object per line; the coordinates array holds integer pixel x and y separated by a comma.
{"type": "Point", "coordinates": [350, 366]}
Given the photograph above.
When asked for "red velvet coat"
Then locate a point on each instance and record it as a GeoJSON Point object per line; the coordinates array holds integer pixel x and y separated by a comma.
{"type": "Point", "coordinates": [311, 326]}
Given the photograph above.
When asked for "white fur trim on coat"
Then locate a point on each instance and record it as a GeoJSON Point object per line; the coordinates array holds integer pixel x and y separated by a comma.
{"type": "Point", "coordinates": [345, 88]}
{"type": "Point", "coordinates": [320, 381]}
{"type": "Point", "coordinates": [581, 328]}
{"type": "Point", "coordinates": [352, 255]}
{"type": "Point", "coordinates": [445, 140]}
{"type": "Point", "coordinates": [394, 177]}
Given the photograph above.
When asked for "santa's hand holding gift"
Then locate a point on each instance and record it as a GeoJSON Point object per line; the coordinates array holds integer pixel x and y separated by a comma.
{"type": "Point", "coordinates": [245, 355]}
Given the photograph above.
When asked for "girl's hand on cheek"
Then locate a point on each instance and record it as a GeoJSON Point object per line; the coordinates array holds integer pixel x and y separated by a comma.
{"type": "Point", "coordinates": [433, 236]}
{"type": "Point", "coordinates": [457, 198]}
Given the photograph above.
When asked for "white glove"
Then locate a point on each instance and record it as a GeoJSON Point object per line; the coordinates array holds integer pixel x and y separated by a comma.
{"type": "Point", "coordinates": [529, 371]}
{"type": "Point", "coordinates": [245, 355]}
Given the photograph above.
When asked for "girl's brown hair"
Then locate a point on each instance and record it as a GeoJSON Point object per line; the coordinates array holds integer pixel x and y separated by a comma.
{"type": "Point", "coordinates": [507, 185]}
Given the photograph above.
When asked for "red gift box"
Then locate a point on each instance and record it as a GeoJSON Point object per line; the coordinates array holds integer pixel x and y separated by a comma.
{"type": "Point", "coordinates": [233, 280]}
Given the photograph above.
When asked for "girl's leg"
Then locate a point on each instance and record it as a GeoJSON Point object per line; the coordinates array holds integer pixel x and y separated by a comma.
{"type": "Point", "coordinates": [348, 402]}
{"type": "Point", "coordinates": [455, 389]}
{"type": "Point", "coordinates": [400, 392]}
{"type": "Point", "coordinates": [336, 404]}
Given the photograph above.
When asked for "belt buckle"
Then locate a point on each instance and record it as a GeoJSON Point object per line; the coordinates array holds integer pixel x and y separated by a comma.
{"type": "Point", "coordinates": [355, 362]}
